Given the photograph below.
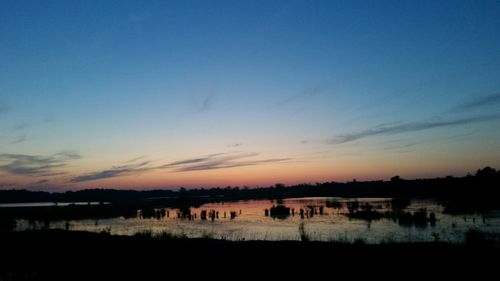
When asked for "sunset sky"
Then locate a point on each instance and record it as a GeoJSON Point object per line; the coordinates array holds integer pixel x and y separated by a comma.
{"type": "Point", "coordinates": [163, 94]}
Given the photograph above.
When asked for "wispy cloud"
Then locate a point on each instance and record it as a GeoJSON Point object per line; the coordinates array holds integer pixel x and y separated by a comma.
{"type": "Point", "coordinates": [459, 136]}
{"type": "Point", "coordinates": [192, 160]}
{"type": "Point", "coordinates": [403, 151]}
{"type": "Point", "coordinates": [478, 102]}
{"type": "Point", "coordinates": [399, 146]}
{"type": "Point", "coordinates": [135, 159]}
{"type": "Point", "coordinates": [223, 164]}
{"type": "Point", "coordinates": [208, 162]}
{"type": "Point", "coordinates": [68, 154]}
{"type": "Point", "coordinates": [19, 139]}
{"type": "Point", "coordinates": [207, 104]}
{"type": "Point", "coordinates": [40, 182]}
{"type": "Point", "coordinates": [219, 161]}
{"type": "Point", "coordinates": [114, 172]}
{"type": "Point", "coordinates": [409, 127]}
{"type": "Point", "coordinates": [235, 145]}
{"type": "Point", "coordinates": [35, 165]}
{"type": "Point", "coordinates": [20, 127]}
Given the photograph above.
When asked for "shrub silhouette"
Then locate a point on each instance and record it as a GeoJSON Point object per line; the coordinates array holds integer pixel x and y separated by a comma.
{"type": "Point", "coordinates": [280, 212]}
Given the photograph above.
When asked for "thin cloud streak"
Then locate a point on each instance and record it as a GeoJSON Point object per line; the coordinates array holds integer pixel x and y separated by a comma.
{"type": "Point", "coordinates": [69, 154]}
{"type": "Point", "coordinates": [114, 172]}
{"type": "Point", "coordinates": [191, 161]}
{"type": "Point", "coordinates": [224, 165]}
{"type": "Point", "coordinates": [20, 127]}
{"type": "Point", "coordinates": [399, 147]}
{"type": "Point", "coordinates": [219, 161]}
{"type": "Point", "coordinates": [208, 162]}
{"type": "Point", "coordinates": [235, 144]}
{"type": "Point", "coordinates": [204, 105]}
{"type": "Point", "coordinates": [478, 103]}
{"type": "Point", "coordinates": [19, 139]}
{"type": "Point", "coordinates": [409, 127]}
{"type": "Point", "coordinates": [208, 103]}
{"type": "Point", "coordinates": [135, 159]}
{"type": "Point", "coordinates": [404, 151]}
{"type": "Point", "coordinates": [40, 182]}
{"type": "Point", "coordinates": [35, 165]}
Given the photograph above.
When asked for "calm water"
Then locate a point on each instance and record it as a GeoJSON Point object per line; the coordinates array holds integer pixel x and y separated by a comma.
{"type": "Point", "coordinates": [325, 219]}
{"type": "Point", "coordinates": [46, 204]}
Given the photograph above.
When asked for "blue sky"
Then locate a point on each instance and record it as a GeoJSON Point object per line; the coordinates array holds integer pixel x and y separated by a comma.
{"type": "Point", "coordinates": [278, 91]}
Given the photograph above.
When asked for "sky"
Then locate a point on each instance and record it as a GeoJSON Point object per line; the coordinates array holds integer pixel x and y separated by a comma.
{"type": "Point", "coordinates": [164, 94]}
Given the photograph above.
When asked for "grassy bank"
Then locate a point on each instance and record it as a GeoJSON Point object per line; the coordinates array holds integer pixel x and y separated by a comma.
{"type": "Point", "coordinates": [69, 255]}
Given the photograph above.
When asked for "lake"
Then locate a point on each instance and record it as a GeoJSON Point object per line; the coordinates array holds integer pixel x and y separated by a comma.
{"type": "Point", "coordinates": [47, 204]}
{"type": "Point", "coordinates": [371, 220]}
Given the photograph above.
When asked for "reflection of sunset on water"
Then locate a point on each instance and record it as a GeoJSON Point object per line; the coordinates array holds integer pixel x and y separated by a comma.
{"type": "Point", "coordinates": [324, 219]}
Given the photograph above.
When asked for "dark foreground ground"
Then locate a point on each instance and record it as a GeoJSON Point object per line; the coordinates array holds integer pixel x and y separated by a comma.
{"type": "Point", "coordinates": [61, 255]}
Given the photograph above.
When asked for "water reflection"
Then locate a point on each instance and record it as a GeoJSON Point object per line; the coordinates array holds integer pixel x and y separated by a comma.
{"type": "Point", "coordinates": [372, 220]}
{"type": "Point", "coordinates": [49, 204]}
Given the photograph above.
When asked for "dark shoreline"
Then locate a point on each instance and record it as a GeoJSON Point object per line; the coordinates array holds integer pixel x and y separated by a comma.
{"type": "Point", "coordinates": [58, 254]}
{"type": "Point", "coordinates": [483, 186]}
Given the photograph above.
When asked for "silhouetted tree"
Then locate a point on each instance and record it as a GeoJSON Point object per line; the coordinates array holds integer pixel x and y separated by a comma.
{"type": "Point", "coordinates": [432, 218]}
{"type": "Point", "coordinates": [395, 179]}
{"type": "Point", "coordinates": [486, 172]}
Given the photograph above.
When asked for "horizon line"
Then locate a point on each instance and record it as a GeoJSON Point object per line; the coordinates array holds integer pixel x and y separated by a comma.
{"type": "Point", "coordinates": [354, 180]}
